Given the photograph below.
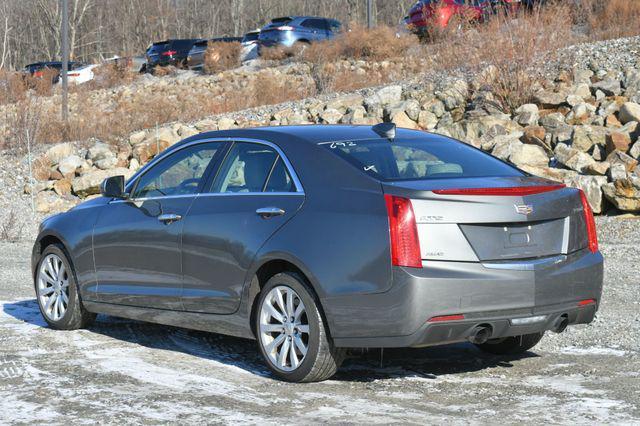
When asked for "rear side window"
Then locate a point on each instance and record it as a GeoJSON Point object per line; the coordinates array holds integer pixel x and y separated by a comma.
{"type": "Point", "coordinates": [418, 159]}
{"type": "Point", "coordinates": [250, 168]}
{"type": "Point", "coordinates": [319, 24]}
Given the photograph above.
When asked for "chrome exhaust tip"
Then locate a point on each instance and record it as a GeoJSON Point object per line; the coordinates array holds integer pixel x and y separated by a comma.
{"type": "Point", "coordinates": [480, 334]}
{"type": "Point", "coordinates": [561, 324]}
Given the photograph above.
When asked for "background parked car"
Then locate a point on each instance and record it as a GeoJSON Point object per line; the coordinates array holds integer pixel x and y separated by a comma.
{"type": "Point", "coordinates": [195, 58]}
{"type": "Point", "coordinates": [250, 45]}
{"type": "Point", "coordinates": [169, 52]}
{"type": "Point", "coordinates": [289, 30]}
{"type": "Point", "coordinates": [426, 14]}
{"type": "Point", "coordinates": [50, 68]}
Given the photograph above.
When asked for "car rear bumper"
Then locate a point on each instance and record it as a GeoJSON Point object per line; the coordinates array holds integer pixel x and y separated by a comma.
{"type": "Point", "coordinates": [277, 38]}
{"type": "Point", "coordinates": [485, 294]}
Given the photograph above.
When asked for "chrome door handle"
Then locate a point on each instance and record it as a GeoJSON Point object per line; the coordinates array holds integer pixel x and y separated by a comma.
{"type": "Point", "coordinates": [169, 218]}
{"type": "Point", "coordinates": [267, 212]}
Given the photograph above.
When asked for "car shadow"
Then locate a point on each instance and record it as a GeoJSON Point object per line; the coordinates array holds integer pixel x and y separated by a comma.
{"type": "Point", "coordinates": [361, 365]}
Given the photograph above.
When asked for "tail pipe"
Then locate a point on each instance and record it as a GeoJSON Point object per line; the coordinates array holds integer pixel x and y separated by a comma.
{"type": "Point", "coordinates": [561, 323]}
{"type": "Point", "coordinates": [480, 334]}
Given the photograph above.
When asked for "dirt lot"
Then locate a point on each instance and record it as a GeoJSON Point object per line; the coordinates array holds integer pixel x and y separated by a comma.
{"type": "Point", "coordinates": [123, 371]}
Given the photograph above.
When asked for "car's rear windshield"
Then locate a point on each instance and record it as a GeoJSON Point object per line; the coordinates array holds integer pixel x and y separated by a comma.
{"type": "Point", "coordinates": [432, 157]}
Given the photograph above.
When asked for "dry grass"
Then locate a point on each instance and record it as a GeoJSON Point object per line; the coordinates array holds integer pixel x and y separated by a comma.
{"type": "Point", "coordinates": [377, 44]}
{"type": "Point", "coordinates": [111, 75]}
{"type": "Point", "coordinates": [511, 49]}
{"type": "Point", "coordinates": [222, 56]}
{"type": "Point", "coordinates": [609, 18]}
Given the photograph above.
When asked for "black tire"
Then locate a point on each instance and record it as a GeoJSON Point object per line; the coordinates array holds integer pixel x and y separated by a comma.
{"type": "Point", "coordinates": [75, 316]}
{"type": "Point", "coordinates": [511, 345]}
{"type": "Point", "coordinates": [322, 358]}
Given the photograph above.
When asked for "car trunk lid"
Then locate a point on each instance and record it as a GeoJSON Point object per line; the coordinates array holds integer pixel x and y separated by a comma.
{"type": "Point", "coordinates": [494, 219]}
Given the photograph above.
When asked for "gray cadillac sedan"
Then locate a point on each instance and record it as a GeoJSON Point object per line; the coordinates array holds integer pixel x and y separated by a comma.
{"type": "Point", "coordinates": [313, 239]}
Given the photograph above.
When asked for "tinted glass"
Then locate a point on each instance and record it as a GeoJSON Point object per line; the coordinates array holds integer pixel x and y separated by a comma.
{"type": "Point", "coordinates": [250, 37]}
{"type": "Point", "coordinates": [178, 174]}
{"type": "Point", "coordinates": [417, 159]}
{"type": "Point", "coordinates": [314, 23]}
{"type": "Point", "coordinates": [279, 179]}
{"type": "Point", "coordinates": [245, 169]}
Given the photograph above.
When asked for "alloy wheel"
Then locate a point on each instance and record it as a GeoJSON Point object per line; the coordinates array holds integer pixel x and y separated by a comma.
{"type": "Point", "coordinates": [53, 287]}
{"type": "Point", "coordinates": [284, 328]}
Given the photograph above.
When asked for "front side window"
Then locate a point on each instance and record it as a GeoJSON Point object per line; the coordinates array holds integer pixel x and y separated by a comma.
{"type": "Point", "coordinates": [432, 157]}
{"type": "Point", "coordinates": [250, 168]}
{"type": "Point", "coordinates": [178, 174]}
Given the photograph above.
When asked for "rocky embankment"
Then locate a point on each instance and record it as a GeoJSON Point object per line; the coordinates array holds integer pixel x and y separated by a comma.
{"type": "Point", "coordinates": [581, 129]}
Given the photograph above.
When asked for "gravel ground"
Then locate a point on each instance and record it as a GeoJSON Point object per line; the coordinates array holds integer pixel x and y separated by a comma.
{"type": "Point", "coordinates": [122, 371]}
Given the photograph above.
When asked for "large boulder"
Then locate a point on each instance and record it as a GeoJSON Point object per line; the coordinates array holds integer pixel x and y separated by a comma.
{"type": "Point", "coordinates": [68, 165]}
{"type": "Point", "coordinates": [584, 138]}
{"type": "Point", "coordinates": [89, 183]}
{"type": "Point", "coordinates": [609, 86]}
{"type": "Point", "coordinates": [527, 115]}
{"type": "Point", "coordinates": [137, 137]}
{"type": "Point", "coordinates": [629, 111]}
{"type": "Point", "coordinates": [59, 151]}
{"type": "Point", "coordinates": [592, 187]}
{"type": "Point", "coordinates": [572, 158]}
{"type": "Point", "coordinates": [384, 96]}
{"type": "Point", "coordinates": [549, 99]}
{"type": "Point", "coordinates": [618, 141]}
{"type": "Point", "coordinates": [401, 119]}
{"type": "Point", "coordinates": [529, 155]}
{"type": "Point", "coordinates": [343, 103]}
{"type": "Point", "coordinates": [101, 156]}
{"type": "Point", "coordinates": [330, 116]}
{"type": "Point", "coordinates": [624, 194]}
{"type": "Point", "coordinates": [454, 95]}
{"type": "Point", "coordinates": [48, 202]}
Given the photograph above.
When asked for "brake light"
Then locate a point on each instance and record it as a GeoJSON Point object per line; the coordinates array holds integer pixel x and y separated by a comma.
{"type": "Point", "coordinates": [403, 231]}
{"type": "Point", "coordinates": [506, 191]}
{"type": "Point", "coordinates": [284, 28]}
{"type": "Point", "coordinates": [169, 53]}
{"type": "Point", "coordinates": [587, 302]}
{"type": "Point", "coordinates": [38, 74]}
{"type": "Point", "coordinates": [444, 318]}
{"type": "Point", "coordinates": [589, 222]}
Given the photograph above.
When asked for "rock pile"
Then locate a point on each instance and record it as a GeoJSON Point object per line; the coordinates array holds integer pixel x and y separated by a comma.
{"type": "Point", "coordinates": [581, 129]}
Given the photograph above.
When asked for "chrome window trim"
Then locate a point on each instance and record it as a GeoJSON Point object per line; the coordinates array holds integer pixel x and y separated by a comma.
{"type": "Point", "coordinates": [296, 181]}
{"type": "Point", "coordinates": [204, 194]}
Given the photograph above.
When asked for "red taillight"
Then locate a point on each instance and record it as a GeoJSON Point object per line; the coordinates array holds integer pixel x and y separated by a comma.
{"type": "Point", "coordinates": [507, 191]}
{"type": "Point", "coordinates": [169, 53]}
{"type": "Point", "coordinates": [444, 318]}
{"type": "Point", "coordinates": [405, 246]}
{"type": "Point", "coordinates": [590, 223]}
{"type": "Point", "coordinates": [38, 74]}
{"type": "Point", "coordinates": [587, 302]}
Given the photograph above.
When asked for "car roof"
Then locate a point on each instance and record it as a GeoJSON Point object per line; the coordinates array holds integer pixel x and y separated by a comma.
{"type": "Point", "coordinates": [312, 133]}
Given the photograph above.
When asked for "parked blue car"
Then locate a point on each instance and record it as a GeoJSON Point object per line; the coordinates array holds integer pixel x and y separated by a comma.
{"type": "Point", "coordinates": [289, 30]}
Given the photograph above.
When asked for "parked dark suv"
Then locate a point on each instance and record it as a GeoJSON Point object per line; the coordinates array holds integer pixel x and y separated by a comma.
{"type": "Point", "coordinates": [289, 30]}
{"type": "Point", "coordinates": [169, 52]}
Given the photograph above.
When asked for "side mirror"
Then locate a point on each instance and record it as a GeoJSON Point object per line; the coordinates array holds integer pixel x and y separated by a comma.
{"type": "Point", "coordinates": [113, 187]}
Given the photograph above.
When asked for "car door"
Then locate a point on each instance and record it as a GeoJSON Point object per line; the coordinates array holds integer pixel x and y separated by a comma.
{"type": "Point", "coordinates": [253, 194]}
{"type": "Point", "coordinates": [136, 241]}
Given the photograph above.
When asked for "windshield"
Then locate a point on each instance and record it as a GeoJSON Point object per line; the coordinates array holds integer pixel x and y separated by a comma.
{"type": "Point", "coordinates": [431, 157]}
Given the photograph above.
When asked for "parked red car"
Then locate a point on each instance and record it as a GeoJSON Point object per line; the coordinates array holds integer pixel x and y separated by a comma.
{"type": "Point", "coordinates": [438, 13]}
